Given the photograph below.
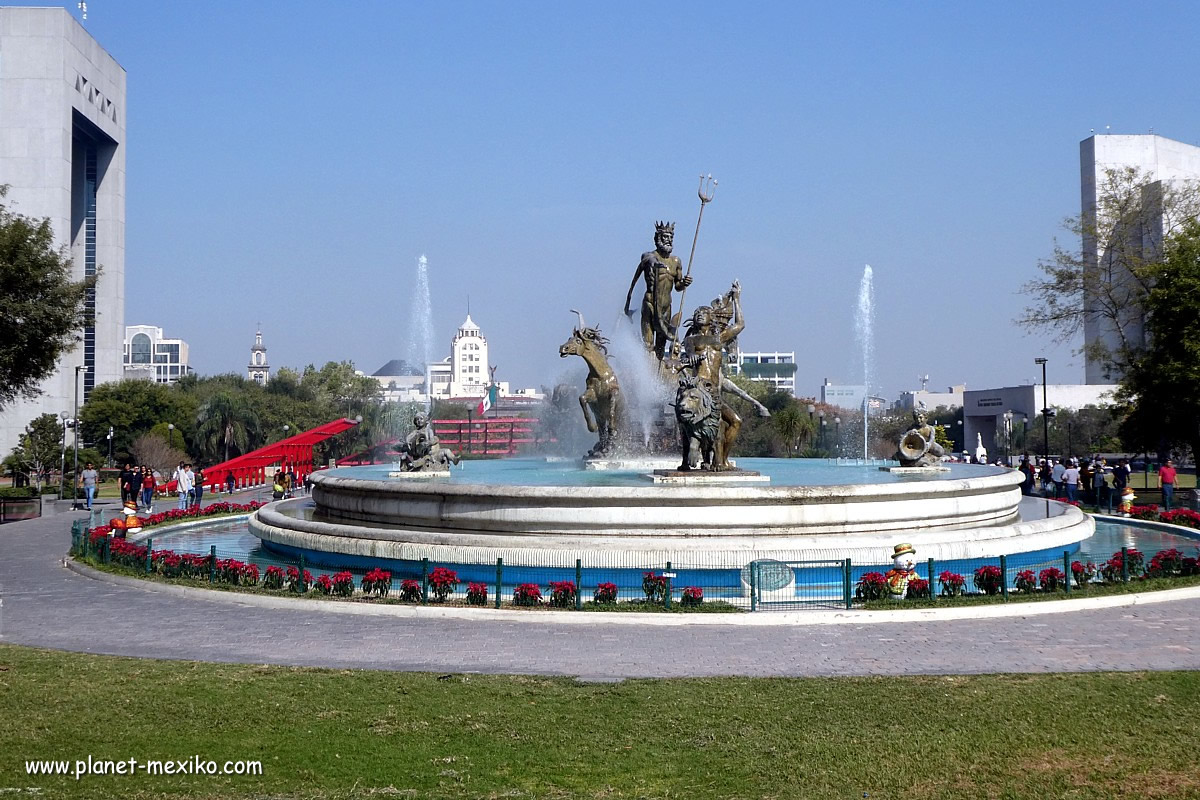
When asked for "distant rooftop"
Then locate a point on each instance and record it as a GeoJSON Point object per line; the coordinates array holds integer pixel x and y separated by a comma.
{"type": "Point", "coordinates": [397, 366]}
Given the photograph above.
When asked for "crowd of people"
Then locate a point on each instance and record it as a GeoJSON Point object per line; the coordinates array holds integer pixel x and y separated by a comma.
{"type": "Point", "coordinates": [1090, 481]}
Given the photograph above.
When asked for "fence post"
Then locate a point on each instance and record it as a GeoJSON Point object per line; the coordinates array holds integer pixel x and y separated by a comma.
{"type": "Point", "coordinates": [846, 596]}
{"type": "Point", "coordinates": [578, 584]}
{"type": "Point", "coordinates": [667, 593]}
{"type": "Point", "coordinates": [149, 552]}
{"type": "Point", "coordinates": [1125, 565]}
{"type": "Point", "coordinates": [1004, 577]}
{"type": "Point", "coordinates": [499, 577]}
{"type": "Point", "coordinates": [1067, 569]}
{"type": "Point", "coordinates": [303, 585]}
{"type": "Point", "coordinates": [424, 580]}
{"type": "Point", "coordinates": [212, 564]}
{"type": "Point", "coordinates": [754, 586]}
{"type": "Point", "coordinates": [932, 585]}
{"type": "Point", "coordinates": [108, 550]}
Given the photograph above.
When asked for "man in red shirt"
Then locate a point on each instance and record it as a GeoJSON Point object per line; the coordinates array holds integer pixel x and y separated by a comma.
{"type": "Point", "coordinates": [1166, 478]}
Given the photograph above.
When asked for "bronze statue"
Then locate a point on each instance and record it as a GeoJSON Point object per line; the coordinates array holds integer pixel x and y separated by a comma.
{"type": "Point", "coordinates": [699, 414]}
{"type": "Point", "coordinates": [702, 363]}
{"type": "Point", "coordinates": [919, 447]}
{"type": "Point", "coordinates": [662, 272]}
{"type": "Point", "coordinates": [422, 451]}
{"type": "Point", "coordinates": [601, 400]}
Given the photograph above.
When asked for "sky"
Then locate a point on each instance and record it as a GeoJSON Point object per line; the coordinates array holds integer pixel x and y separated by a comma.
{"type": "Point", "coordinates": [288, 162]}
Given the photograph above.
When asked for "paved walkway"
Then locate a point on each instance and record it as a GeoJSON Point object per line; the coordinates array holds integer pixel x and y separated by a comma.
{"type": "Point", "coordinates": [46, 605]}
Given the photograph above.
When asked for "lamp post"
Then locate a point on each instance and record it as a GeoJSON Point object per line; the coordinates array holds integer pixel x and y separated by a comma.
{"type": "Point", "coordinates": [821, 417]}
{"type": "Point", "coordinates": [171, 434]}
{"type": "Point", "coordinates": [62, 462]}
{"type": "Point", "coordinates": [1024, 428]}
{"type": "Point", "coordinates": [961, 437]}
{"type": "Point", "coordinates": [1070, 444]}
{"type": "Point", "coordinates": [1008, 417]}
{"type": "Point", "coordinates": [110, 438]}
{"type": "Point", "coordinates": [75, 472]}
{"type": "Point", "coordinates": [811, 409]}
{"type": "Point", "coordinates": [1045, 413]}
{"type": "Point", "coordinates": [837, 436]}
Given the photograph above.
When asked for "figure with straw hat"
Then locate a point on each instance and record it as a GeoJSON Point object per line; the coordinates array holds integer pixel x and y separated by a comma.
{"type": "Point", "coordinates": [904, 560]}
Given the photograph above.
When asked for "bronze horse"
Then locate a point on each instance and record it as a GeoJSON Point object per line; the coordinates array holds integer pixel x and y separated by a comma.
{"type": "Point", "coordinates": [601, 400]}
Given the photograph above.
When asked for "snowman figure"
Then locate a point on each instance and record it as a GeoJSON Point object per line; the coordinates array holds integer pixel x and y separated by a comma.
{"type": "Point", "coordinates": [133, 524]}
{"type": "Point", "coordinates": [903, 561]}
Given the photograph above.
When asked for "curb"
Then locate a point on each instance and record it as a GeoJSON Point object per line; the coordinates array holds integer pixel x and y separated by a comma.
{"type": "Point", "coordinates": [759, 619]}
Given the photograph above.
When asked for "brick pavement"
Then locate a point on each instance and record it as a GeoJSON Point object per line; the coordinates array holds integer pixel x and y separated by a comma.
{"type": "Point", "coordinates": [46, 605]}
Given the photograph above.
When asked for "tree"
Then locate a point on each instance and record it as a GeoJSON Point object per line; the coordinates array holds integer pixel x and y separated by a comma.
{"type": "Point", "coordinates": [152, 450]}
{"type": "Point", "coordinates": [1106, 292]}
{"type": "Point", "coordinates": [38, 448]}
{"type": "Point", "coordinates": [792, 426]}
{"type": "Point", "coordinates": [134, 407]}
{"type": "Point", "coordinates": [225, 421]}
{"type": "Point", "coordinates": [41, 309]}
{"type": "Point", "coordinates": [1161, 389]}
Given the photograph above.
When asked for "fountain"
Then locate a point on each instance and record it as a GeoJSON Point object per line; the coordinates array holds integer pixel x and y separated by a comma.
{"type": "Point", "coordinates": [530, 513]}
{"type": "Point", "coordinates": [864, 332]}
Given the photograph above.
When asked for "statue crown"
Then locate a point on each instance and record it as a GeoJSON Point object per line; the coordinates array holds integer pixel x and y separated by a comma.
{"type": "Point", "coordinates": [664, 227]}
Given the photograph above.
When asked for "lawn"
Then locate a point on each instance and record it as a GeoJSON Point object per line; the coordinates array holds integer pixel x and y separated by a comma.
{"type": "Point", "coordinates": [350, 734]}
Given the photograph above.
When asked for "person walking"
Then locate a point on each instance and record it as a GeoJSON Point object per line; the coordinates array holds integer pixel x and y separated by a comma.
{"type": "Point", "coordinates": [183, 484]}
{"type": "Point", "coordinates": [1098, 485]}
{"type": "Point", "coordinates": [1070, 478]}
{"type": "Point", "coordinates": [148, 489]}
{"type": "Point", "coordinates": [89, 476]}
{"type": "Point", "coordinates": [1056, 476]}
{"type": "Point", "coordinates": [1166, 479]}
{"type": "Point", "coordinates": [1121, 477]}
{"type": "Point", "coordinates": [128, 481]}
{"type": "Point", "coordinates": [230, 481]}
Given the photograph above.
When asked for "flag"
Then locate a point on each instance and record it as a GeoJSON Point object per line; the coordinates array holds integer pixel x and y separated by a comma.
{"type": "Point", "coordinates": [488, 400]}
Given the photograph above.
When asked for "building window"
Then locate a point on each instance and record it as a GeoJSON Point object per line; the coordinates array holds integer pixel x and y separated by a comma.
{"type": "Point", "coordinates": [140, 349]}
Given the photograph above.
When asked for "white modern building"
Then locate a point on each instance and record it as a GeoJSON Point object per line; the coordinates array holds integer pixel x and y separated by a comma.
{"type": "Point", "coordinates": [985, 410]}
{"type": "Point", "coordinates": [777, 368]}
{"type": "Point", "coordinates": [151, 356]}
{"type": "Point", "coordinates": [850, 397]}
{"type": "Point", "coordinates": [1114, 239]}
{"type": "Point", "coordinates": [951, 398]}
{"type": "Point", "coordinates": [62, 154]}
{"type": "Point", "coordinates": [258, 370]}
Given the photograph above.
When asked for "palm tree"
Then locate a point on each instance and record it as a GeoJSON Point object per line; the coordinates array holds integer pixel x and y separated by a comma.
{"type": "Point", "coordinates": [791, 426]}
{"type": "Point", "coordinates": [226, 419]}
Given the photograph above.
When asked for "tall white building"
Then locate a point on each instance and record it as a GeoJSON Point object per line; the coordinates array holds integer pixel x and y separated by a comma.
{"type": "Point", "coordinates": [62, 153]}
{"type": "Point", "coordinates": [258, 370]}
{"type": "Point", "coordinates": [151, 356]}
{"type": "Point", "coordinates": [1168, 165]}
{"type": "Point", "coordinates": [777, 368]}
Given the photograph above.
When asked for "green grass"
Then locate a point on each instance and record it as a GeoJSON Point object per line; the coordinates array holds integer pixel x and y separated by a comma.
{"type": "Point", "coordinates": [351, 734]}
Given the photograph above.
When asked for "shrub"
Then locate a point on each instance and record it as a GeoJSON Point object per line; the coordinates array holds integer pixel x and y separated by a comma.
{"type": "Point", "coordinates": [295, 584]}
{"type": "Point", "coordinates": [918, 589]}
{"type": "Point", "coordinates": [871, 586]}
{"type": "Point", "coordinates": [605, 594]}
{"type": "Point", "coordinates": [562, 594]}
{"type": "Point", "coordinates": [692, 596]}
{"type": "Point", "coordinates": [989, 579]}
{"type": "Point", "coordinates": [343, 584]}
{"type": "Point", "coordinates": [1083, 573]}
{"type": "Point", "coordinates": [323, 585]}
{"type": "Point", "coordinates": [952, 583]}
{"type": "Point", "coordinates": [1051, 579]}
{"type": "Point", "coordinates": [527, 594]}
{"type": "Point", "coordinates": [273, 579]}
{"type": "Point", "coordinates": [655, 587]}
{"type": "Point", "coordinates": [1190, 567]}
{"type": "Point", "coordinates": [1181, 516]}
{"type": "Point", "coordinates": [1165, 564]}
{"type": "Point", "coordinates": [1025, 581]}
{"type": "Point", "coordinates": [442, 583]}
{"type": "Point", "coordinates": [377, 581]}
{"type": "Point", "coordinates": [1111, 571]}
{"type": "Point", "coordinates": [1144, 512]}
{"type": "Point", "coordinates": [250, 574]}
{"type": "Point", "coordinates": [410, 590]}
{"type": "Point", "coordinates": [477, 594]}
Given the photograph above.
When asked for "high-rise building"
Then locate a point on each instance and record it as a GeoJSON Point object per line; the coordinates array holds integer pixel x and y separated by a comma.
{"type": "Point", "coordinates": [258, 370]}
{"type": "Point", "coordinates": [62, 154]}
{"type": "Point", "coordinates": [777, 368]}
{"type": "Point", "coordinates": [151, 356]}
{"type": "Point", "coordinates": [1113, 239]}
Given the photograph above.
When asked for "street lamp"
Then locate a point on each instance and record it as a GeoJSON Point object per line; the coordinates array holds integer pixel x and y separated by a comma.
{"type": "Point", "coordinates": [171, 434]}
{"type": "Point", "coordinates": [961, 437]}
{"type": "Point", "coordinates": [821, 416]}
{"type": "Point", "coordinates": [110, 438]}
{"type": "Point", "coordinates": [1008, 418]}
{"type": "Point", "coordinates": [62, 462]}
{"type": "Point", "coordinates": [75, 476]}
{"type": "Point", "coordinates": [837, 435]}
{"type": "Point", "coordinates": [1045, 413]}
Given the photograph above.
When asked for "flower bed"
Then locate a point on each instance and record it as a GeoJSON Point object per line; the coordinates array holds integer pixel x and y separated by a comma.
{"type": "Point", "coordinates": [175, 515]}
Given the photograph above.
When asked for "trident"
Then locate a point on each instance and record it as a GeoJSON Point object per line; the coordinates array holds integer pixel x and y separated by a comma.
{"type": "Point", "coordinates": [708, 187]}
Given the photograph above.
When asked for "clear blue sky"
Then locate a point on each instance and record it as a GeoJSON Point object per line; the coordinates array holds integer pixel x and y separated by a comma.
{"type": "Point", "coordinates": [288, 162]}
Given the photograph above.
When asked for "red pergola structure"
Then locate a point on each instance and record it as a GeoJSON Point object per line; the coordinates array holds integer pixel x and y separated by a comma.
{"type": "Point", "coordinates": [295, 451]}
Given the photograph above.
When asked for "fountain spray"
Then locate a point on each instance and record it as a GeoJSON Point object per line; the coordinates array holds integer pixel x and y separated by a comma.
{"type": "Point", "coordinates": [864, 325]}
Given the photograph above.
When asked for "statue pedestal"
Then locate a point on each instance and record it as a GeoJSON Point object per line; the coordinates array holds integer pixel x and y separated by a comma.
{"type": "Point", "coordinates": [631, 464]}
{"type": "Point", "coordinates": [933, 469]}
{"type": "Point", "coordinates": [700, 477]}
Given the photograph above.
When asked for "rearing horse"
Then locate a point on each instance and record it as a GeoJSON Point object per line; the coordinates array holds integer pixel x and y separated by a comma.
{"type": "Point", "coordinates": [601, 400]}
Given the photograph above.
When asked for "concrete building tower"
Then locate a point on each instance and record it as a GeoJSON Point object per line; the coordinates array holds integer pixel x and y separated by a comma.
{"type": "Point", "coordinates": [1112, 240]}
{"type": "Point", "coordinates": [258, 370]}
{"type": "Point", "coordinates": [62, 153]}
{"type": "Point", "coordinates": [469, 361]}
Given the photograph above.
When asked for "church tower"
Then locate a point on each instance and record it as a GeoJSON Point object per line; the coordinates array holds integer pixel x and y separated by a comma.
{"type": "Point", "coordinates": [258, 370]}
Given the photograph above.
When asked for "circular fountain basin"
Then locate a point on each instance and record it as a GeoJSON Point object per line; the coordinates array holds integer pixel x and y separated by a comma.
{"type": "Point", "coordinates": [532, 513]}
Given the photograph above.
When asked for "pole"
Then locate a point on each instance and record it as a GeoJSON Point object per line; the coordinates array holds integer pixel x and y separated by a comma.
{"type": "Point", "coordinates": [1045, 410]}
{"type": "Point", "coordinates": [470, 429]}
{"type": "Point", "coordinates": [62, 462]}
{"type": "Point", "coordinates": [75, 470]}
{"type": "Point", "coordinates": [705, 198]}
